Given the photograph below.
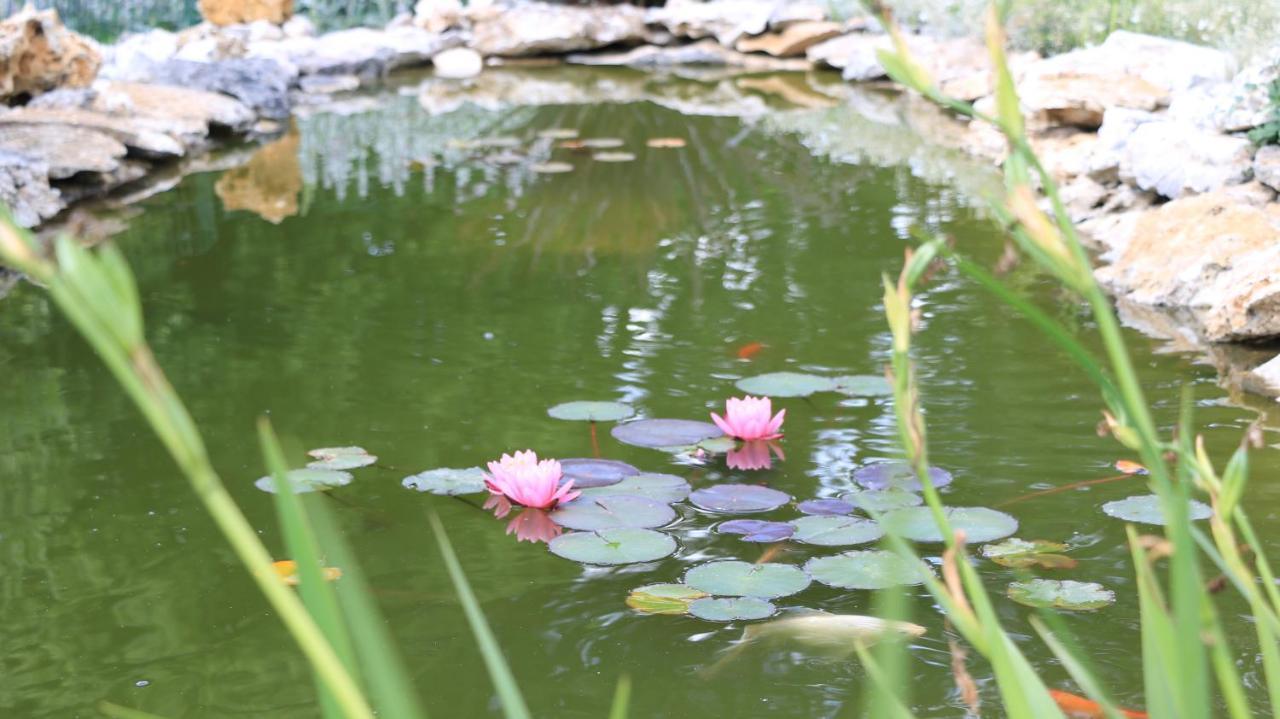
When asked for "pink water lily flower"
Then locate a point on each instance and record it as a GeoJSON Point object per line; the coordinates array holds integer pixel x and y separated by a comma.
{"type": "Point", "coordinates": [526, 481]}
{"type": "Point", "coordinates": [749, 418]}
{"type": "Point", "coordinates": [534, 525]}
{"type": "Point", "coordinates": [754, 455]}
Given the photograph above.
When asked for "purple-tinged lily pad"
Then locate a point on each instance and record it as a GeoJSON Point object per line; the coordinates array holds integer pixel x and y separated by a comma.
{"type": "Point", "coordinates": [825, 507]}
{"type": "Point", "coordinates": [596, 513]}
{"type": "Point", "coordinates": [660, 487]}
{"type": "Point", "coordinates": [592, 411]}
{"type": "Point", "coordinates": [586, 472]}
{"type": "Point", "coordinates": [898, 475]}
{"type": "Point", "coordinates": [836, 531]}
{"type": "Point", "coordinates": [659, 433]}
{"type": "Point", "coordinates": [979, 524]}
{"type": "Point", "coordinates": [757, 530]}
{"type": "Point", "coordinates": [735, 498]}
{"type": "Point", "coordinates": [882, 500]}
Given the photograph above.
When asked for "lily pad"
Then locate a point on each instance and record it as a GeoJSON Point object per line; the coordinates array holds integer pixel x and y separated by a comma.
{"type": "Point", "coordinates": [613, 156]}
{"type": "Point", "coordinates": [1020, 553]}
{"type": "Point", "coordinates": [307, 480]}
{"type": "Point", "coordinates": [586, 411]}
{"type": "Point", "coordinates": [743, 579]}
{"type": "Point", "coordinates": [447, 481]}
{"type": "Point", "coordinates": [715, 445]}
{"type": "Point", "coordinates": [863, 385]}
{"type": "Point", "coordinates": [661, 433]}
{"type": "Point", "coordinates": [836, 531]}
{"type": "Point", "coordinates": [757, 530]}
{"type": "Point", "coordinates": [1061, 594]}
{"type": "Point", "coordinates": [785, 384]}
{"type": "Point", "coordinates": [558, 133]}
{"type": "Point", "coordinates": [826, 507]}
{"type": "Point", "coordinates": [625, 545]}
{"type": "Point", "coordinates": [659, 487]}
{"type": "Point", "coordinates": [551, 168]}
{"type": "Point", "coordinates": [882, 500]}
{"type": "Point", "coordinates": [600, 143]}
{"type": "Point", "coordinates": [980, 524]}
{"type": "Point", "coordinates": [1146, 509]}
{"type": "Point", "coordinates": [866, 569]}
{"type": "Point", "coordinates": [898, 475]}
{"type": "Point", "coordinates": [340, 458]}
{"type": "Point", "coordinates": [587, 472]}
{"type": "Point", "coordinates": [596, 513]}
{"type": "Point", "coordinates": [729, 609]}
{"type": "Point", "coordinates": [736, 498]}
{"type": "Point", "coordinates": [663, 598]}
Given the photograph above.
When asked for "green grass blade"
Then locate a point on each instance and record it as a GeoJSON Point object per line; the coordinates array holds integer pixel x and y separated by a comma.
{"type": "Point", "coordinates": [1078, 671]}
{"type": "Point", "coordinates": [621, 698]}
{"type": "Point", "coordinates": [115, 711]}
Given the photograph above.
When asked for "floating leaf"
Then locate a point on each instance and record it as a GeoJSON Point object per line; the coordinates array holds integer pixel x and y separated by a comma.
{"type": "Point", "coordinates": [663, 598]}
{"type": "Point", "coordinates": [836, 531]}
{"type": "Point", "coordinates": [866, 569]}
{"type": "Point", "coordinates": [506, 158]}
{"type": "Point", "coordinates": [307, 480]}
{"type": "Point", "coordinates": [715, 445]}
{"type": "Point", "coordinates": [863, 385]}
{"type": "Point", "coordinates": [1061, 594]}
{"type": "Point", "coordinates": [737, 498]}
{"type": "Point", "coordinates": [979, 524]}
{"type": "Point", "coordinates": [665, 142]}
{"type": "Point", "coordinates": [588, 472]}
{"type": "Point", "coordinates": [785, 384]}
{"type": "Point", "coordinates": [288, 571]}
{"type": "Point", "coordinates": [882, 500]}
{"type": "Point", "coordinates": [600, 143]}
{"type": "Point", "coordinates": [447, 481]}
{"type": "Point", "coordinates": [340, 458]}
{"type": "Point", "coordinates": [1146, 509]}
{"type": "Point", "coordinates": [666, 488]}
{"type": "Point", "coordinates": [665, 433]}
{"type": "Point", "coordinates": [613, 546]}
{"type": "Point", "coordinates": [585, 411]}
{"type": "Point", "coordinates": [757, 530]}
{"type": "Point", "coordinates": [898, 475]}
{"type": "Point", "coordinates": [595, 513]}
{"type": "Point", "coordinates": [558, 133]}
{"type": "Point", "coordinates": [721, 609]}
{"type": "Point", "coordinates": [551, 168]}
{"type": "Point", "coordinates": [1127, 467]}
{"type": "Point", "coordinates": [744, 579]}
{"type": "Point", "coordinates": [1020, 553]}
{"type": "Point", "coordinates": [826, 507]}
{"type": "Point", "coordinates": [613, 156]}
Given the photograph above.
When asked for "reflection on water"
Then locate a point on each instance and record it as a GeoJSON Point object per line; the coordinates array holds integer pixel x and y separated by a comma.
{"type": "Point", "coordinates": [429, 305]}
{"type": "Point", "coordinates": [269, 184]}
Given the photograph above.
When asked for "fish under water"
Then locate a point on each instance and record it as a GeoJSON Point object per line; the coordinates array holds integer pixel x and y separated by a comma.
{"type": "Point", "coordinates": [1078, 707]}
{"type": "Point", "coordinates": [834, 636]}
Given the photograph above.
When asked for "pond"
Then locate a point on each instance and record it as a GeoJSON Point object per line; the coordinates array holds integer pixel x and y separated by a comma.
{"type": "Point", "coordinates": [404, 289]}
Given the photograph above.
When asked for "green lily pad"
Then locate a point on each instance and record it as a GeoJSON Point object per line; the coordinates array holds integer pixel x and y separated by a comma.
{"type": "Point", "coordinates": [590, 472]}
{"type": "Point", "coordinates": [863, 385]}
{"type": "Point", "coordinates": [980, 524]}
{"type": "Point", "coordinates": [659, 487]}
{"type": "Point", "coordinates": [730, 609]}
{"type": "Point", "coordinates": [307, 480]}
{"type": "Point", "coordinates": [610, 512]}
{"type": "Point", "coordinates": [738, 498]}
{"type": "Point", "coordinates": [616, 156]}
{"type": "Point", "coordinates": [585, 411]}
{"type": "Point", "coordinates": [898, 475]}
{"type": "Point", "coordinates": [601, 143]}
{"type": "Point", "coordinates": [663, 433]}
{"type": "Point", "coordinates": [551, 168]}
{"type": "Point", "coordinates": [882, 500]}
{"type": "Point", "coordinates": [835, 531]}
{"type": "Point", "coordinates": [1146, 509]}
{"type": "Point", "coordinates": [340, 458]}
{"type": "Point", "coordinates": [866, 569]}
{"type": "Point", "coordinates": [1061, 594]}
{"type": "Point", "coordinates": [785, 384]}
{"type": "Point", "coordinates": [826, 507]}
{"type": "Point", "coordinates": [558, 133]}
{"type": "Point", "coordinates": [1020, 553]}
{"type": "Point", "coordinates": [447, 481]}
{"type": "Point", "coordinates": [715, 445]}
{"type": "Point", "coordinates": [744, 579]}
{"type": "Point", "coordinates": [663, 598]}
{"type": "Point", "coordinates": [625, 545]}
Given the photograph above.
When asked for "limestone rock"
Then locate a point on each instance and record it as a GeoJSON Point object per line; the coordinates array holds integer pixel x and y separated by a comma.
{"type": "Point", "coordinates": [855, 55]}
{"type": "Point", "coordinates": [1077, 99]}
{"type": "Point", "coordinates": [268, 185]}
{"type": "Point", "coordinates": [1265, 378]}
{"type": "Point", "coordinates": [1210, 254]}
{"type": "Point", "coordinates": [231, 12]}
{"type": "Point", "coordinates": [1172, 65]}
{"type": "Point", "coordinates": [181, 106]}
{"type": "Point", "coordinates": [437, 15]}
{"type": "Point", "coordinates": [1176, 159]}
{"type": "Point", "coordinates": [363, 52]}
{"type": "Point", "coordinates": [703, 52]}
{"type": "Point", "coordinates": [139, 140]}
{"type": "Point", "coordinates": [789, 13]}
{"type": "Point", "coordinates": [64, 151]}
{"type": "Point", "coordinates": [135, 56]}
{"type": "Point", "coordinates": [1266, 166]}
{"type": "Point", "coordinates": [725, 20]}
{"type": "Point", "coordinates": [537, 28]}
{"type": "Point", "coordinates": [791, 41]}
{"type": "Point", "coordinates": [39, 54]}
{"type": "Point", "coordinates": [458, 63]}
{"type": "Point", "coordinates": [260, 84]}
{"type": "Point", "coordinates": [25, 189]}
{"type": "Point", "coordinates": [298, 26]}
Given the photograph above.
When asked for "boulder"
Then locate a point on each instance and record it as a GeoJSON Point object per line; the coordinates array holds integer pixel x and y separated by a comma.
{"type": "Point", "coordinates": [1213, 255]}
{"type": "Point", "coordinates": [232, 12]}
{"type": "Point", "coordinates": [268, 185]}
{"type": "Point", "coordinates": [39, 54]}
{"type": "Point", "coordinates": [458, 63]}
{"type": "Point", "coordinates": [1266, 166]}
{"type": "Point", "coordinates": [139, 140]}
{"type": "Point", "coordinates": [363, 52]}
{"type": "Point", "coordinates": [25, 189]}
{"type": "Point", "coordinates": [1176, 159]}
{"type": "Point", "coordinates": [725, 20]}
{"type": "Point", "coordinates": [537, 28]}
{"type": "Point", "coordinates": [135, 56]}
{"type": "Point", "coordinates": [703, 52]}
{"type": "Point", "coordinates": [855, 55]}
{"type": "Point", "coordinates": [260, 84]}
{"type": "Point", "coordinates": [65, 151]}
{"type": "Point", "coordinates": [328, 84]}
{"type": "Point", "coordinates": [1265, 378]}
{"type": "Point", "coordinates": [792, 40]}
{"type": "Point", "coordinates": [179, 107]}
{"type": "Point", "coordinates": [298, 26]}
{"type": "Point", "coordinates": [786, 14]}
{"type": "Point", "coordinates": [437, 15]}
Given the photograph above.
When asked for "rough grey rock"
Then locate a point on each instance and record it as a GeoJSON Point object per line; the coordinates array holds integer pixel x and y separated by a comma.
{"type": "Point", "coordinates": [25, 189]}
{"type": "Point", "coordinates": [259, 83]}
{"type": "Point", "coordinates": [179, 110]}
{"type": "Point", "coordinates": [537, 28]}
{"type": "Point", "coordinates": [792, 40]}
{"type": "Point", "coordinates": [140, 140]}
{"type": "Point", "coordinates": [135, 56]}
{"type": "Point", "coordinates": [725, 20]}
{"type": "Point", "coordinates": [1265, 378]}
{"type": "Point", "coordinates": [704, 52]}
{"type": "Point", "coordinates": [1176, 159]}
{"type": "Point", "coordinates": [363, 52]}
{"type": "Point", "coordinates": [328, 84]}
{"type": "Point", "coordinates": [64, 151]}
{"type": "Point", "coordinates": [1266, 166]}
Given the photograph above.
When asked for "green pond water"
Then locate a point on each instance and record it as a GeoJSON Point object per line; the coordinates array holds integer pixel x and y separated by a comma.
{"type": "Point", "coordinates": [430, 306]}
